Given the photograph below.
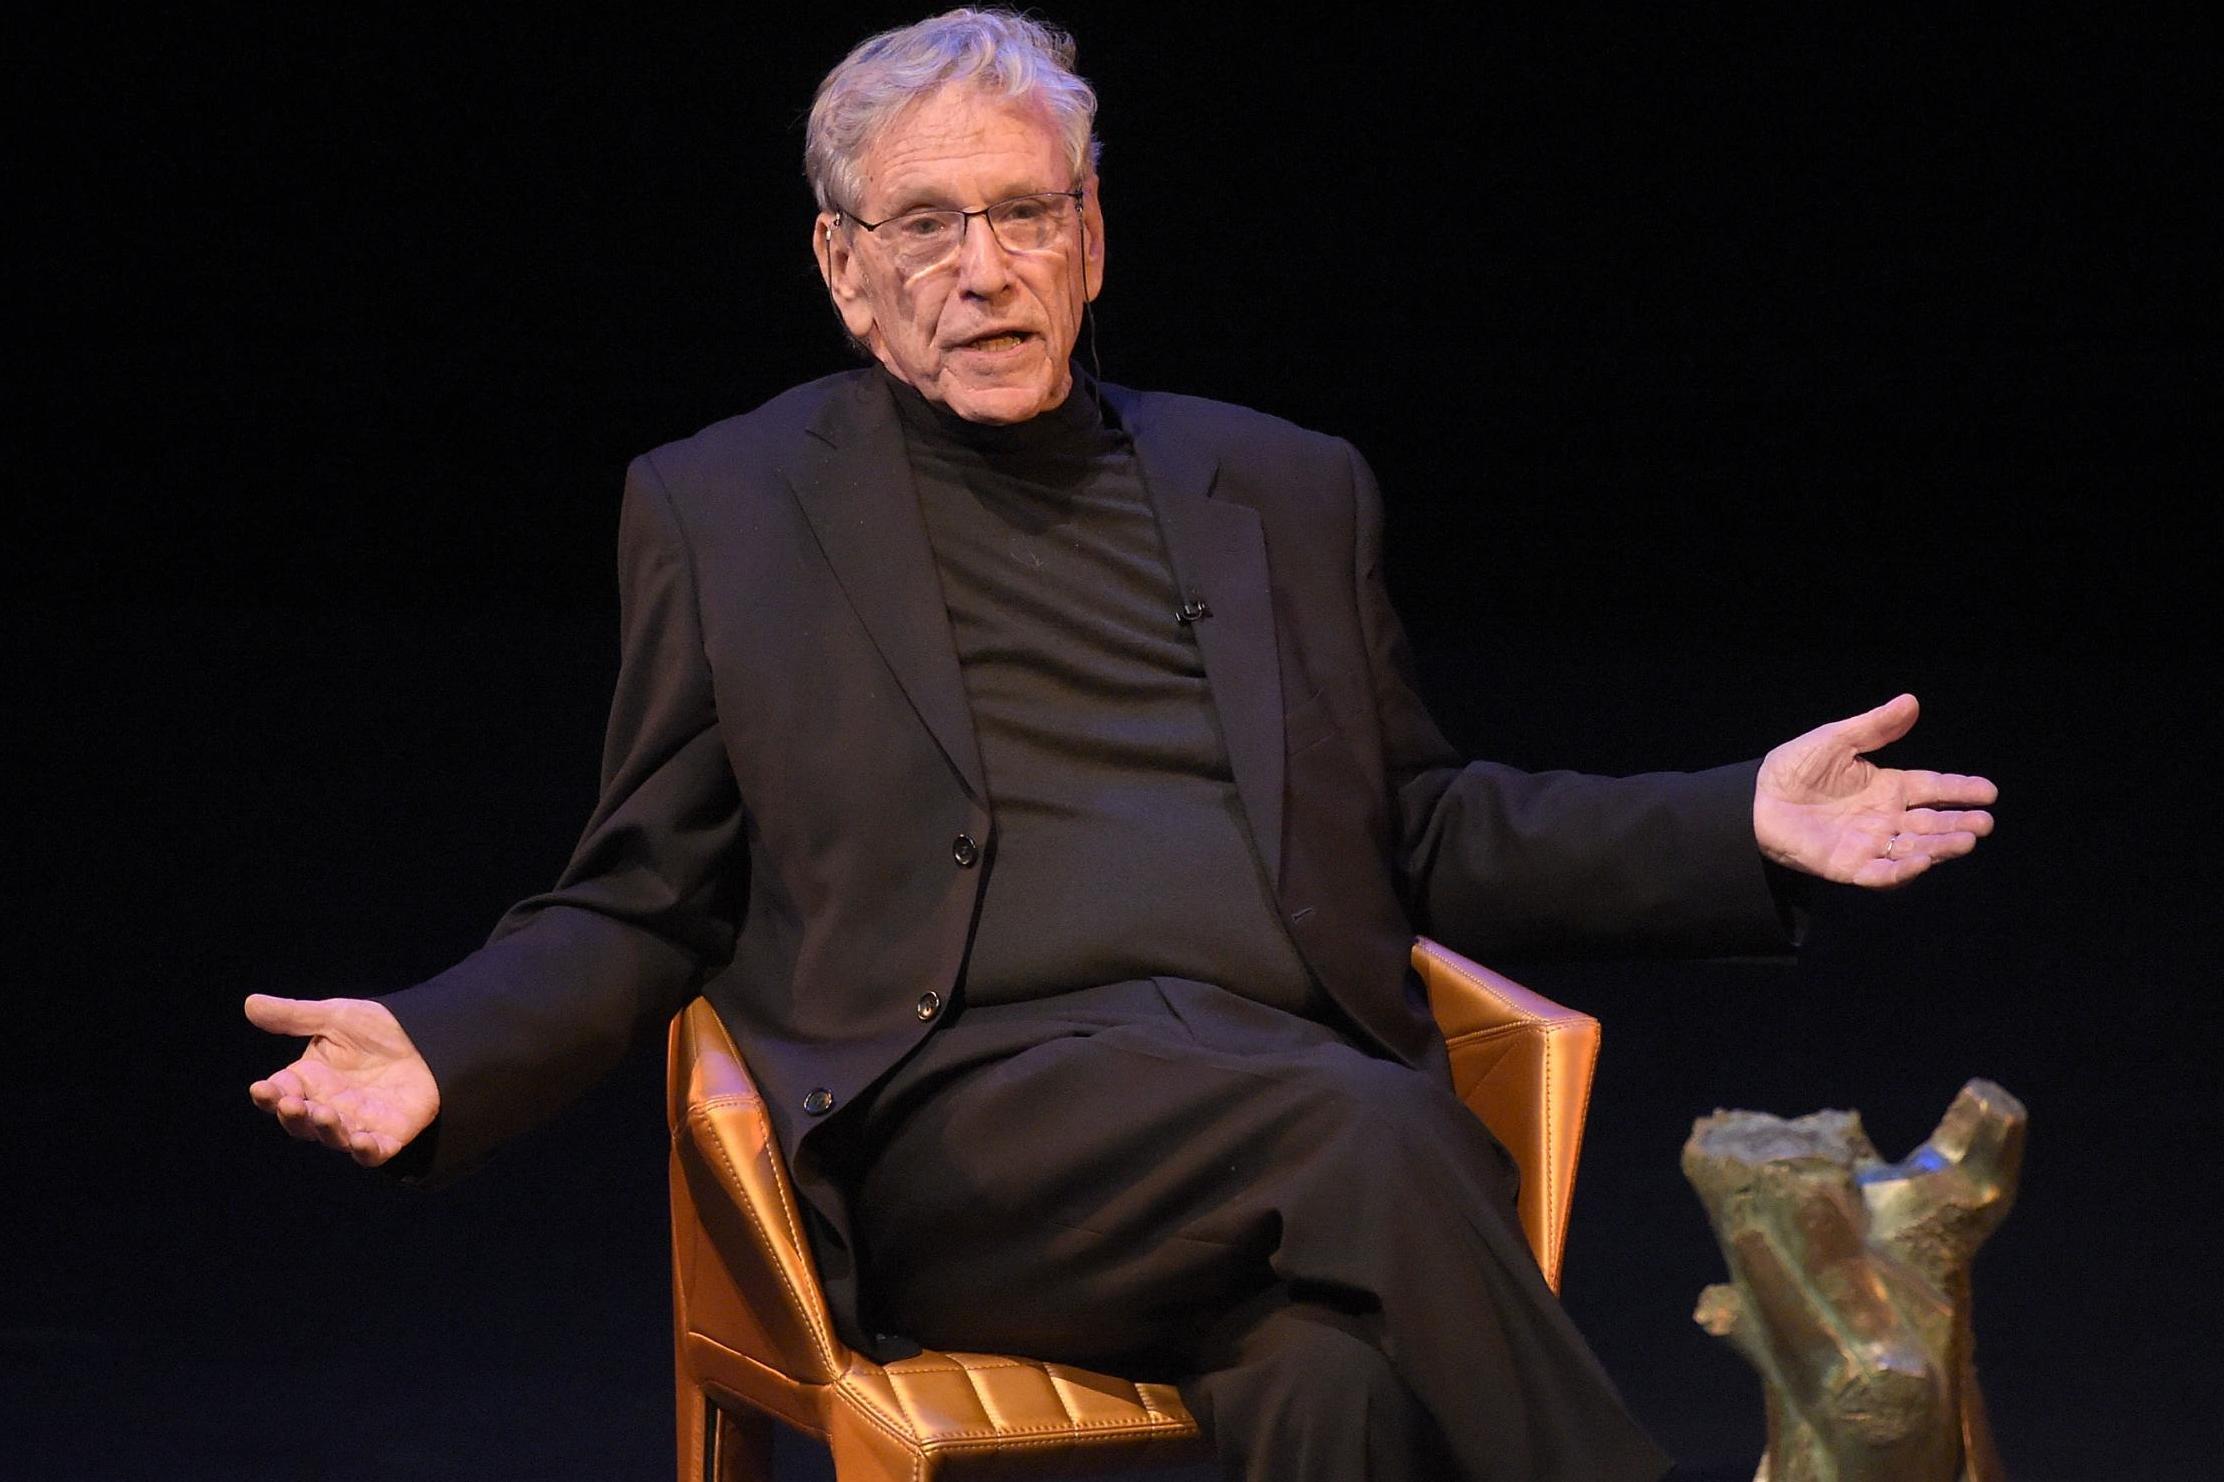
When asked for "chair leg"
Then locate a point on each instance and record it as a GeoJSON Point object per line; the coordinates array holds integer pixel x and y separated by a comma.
{"type": "Point", "coordinates": [718, 1445]}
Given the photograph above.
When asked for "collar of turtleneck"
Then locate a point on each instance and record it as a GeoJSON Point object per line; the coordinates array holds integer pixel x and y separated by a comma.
{"type": "Point", "coordinates": [1074, 426]}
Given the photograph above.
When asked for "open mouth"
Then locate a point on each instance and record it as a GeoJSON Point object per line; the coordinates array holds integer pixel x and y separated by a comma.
{"type": "Point", "coordinates": [1006, 339]}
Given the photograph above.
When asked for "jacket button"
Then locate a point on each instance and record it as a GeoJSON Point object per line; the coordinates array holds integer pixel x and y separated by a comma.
{"type": "Point", "coordinates": [819, 1101]}
{"type": "Point", "coordinates": [930, 1004]}
{"type": "Point", "coordinates": [965, 851]}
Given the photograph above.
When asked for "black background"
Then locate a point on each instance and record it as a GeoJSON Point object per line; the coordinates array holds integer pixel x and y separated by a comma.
{"type": "Point", "coordinates": [1725, 374]}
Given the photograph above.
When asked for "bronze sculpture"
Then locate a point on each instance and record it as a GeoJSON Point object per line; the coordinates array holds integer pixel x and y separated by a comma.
{"type": "Point", "coordinates": [1849, 1287]}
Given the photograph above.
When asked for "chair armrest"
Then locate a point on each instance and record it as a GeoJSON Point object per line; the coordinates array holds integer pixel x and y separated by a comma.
{"type": "Point", "coordinates": [743, 1275]}
{"type": "Point", "coordinates": [1523, 1064]}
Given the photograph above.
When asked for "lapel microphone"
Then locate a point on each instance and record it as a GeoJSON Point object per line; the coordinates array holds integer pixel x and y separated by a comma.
{"type": "Point", "coordinates": [1194, 610]}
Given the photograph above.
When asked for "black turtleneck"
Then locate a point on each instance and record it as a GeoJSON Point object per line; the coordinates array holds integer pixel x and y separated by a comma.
{"type": "Point", "coordinates": [1120, 848]}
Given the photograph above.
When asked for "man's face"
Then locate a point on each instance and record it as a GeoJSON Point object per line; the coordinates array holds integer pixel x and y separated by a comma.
{"type": "Point", "coordinates": [987, 332]}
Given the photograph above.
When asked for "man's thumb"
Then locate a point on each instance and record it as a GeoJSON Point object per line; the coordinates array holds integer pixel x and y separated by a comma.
{"type": "Point", "coordinates": [1882, 726]}
{"type": "Point", "coordinates": [303, 1016]}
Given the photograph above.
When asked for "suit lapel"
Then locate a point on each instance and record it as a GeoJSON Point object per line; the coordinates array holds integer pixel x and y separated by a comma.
{"type": "Point", "coordinates": [1219, 555]}
{"type": "Point", "coordinates": [853, 480]}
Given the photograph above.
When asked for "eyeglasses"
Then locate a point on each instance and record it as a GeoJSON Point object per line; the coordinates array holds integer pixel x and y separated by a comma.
{"type": "Point", "coordinates": [927, 239]}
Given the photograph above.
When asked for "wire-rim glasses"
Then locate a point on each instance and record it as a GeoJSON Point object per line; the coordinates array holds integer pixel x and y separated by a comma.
{"type": "Point", "coordinates": [929, 237]}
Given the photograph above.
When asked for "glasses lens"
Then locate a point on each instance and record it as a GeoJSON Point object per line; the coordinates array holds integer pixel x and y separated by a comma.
{"type": "Point", "coordinates": [1027, 223]}
{"type": "Point", "coordinates": [924, 238]}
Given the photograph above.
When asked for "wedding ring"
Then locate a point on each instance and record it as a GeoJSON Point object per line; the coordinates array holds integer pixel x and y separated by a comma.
{"type": "Point", "coordinates": [1891, 845]}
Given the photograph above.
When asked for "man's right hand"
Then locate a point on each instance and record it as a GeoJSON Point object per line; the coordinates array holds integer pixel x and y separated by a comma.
{"type": "Point", "coordinates": [360, 1086]}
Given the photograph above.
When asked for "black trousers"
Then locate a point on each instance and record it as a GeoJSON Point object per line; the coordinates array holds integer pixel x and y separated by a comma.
{"type": "Point", "coordinates": [1165, 1179]}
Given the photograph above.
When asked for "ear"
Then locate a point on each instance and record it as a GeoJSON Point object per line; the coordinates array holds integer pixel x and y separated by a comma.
{"type": "Point", "coordinates": [843, 274]}
{"type": "Point", "coordinates": [1092, 217]}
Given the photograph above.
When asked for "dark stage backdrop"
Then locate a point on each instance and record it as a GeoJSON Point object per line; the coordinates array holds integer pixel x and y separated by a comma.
{"type": "Point", "coordinates": [1725, 375]}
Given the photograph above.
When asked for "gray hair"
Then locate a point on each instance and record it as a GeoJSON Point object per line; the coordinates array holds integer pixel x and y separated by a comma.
{"type": "Point", "coordinates": [997, 51]}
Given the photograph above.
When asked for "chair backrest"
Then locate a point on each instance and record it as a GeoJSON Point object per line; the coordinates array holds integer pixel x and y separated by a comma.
{"type": "Point", "coordinates": [1524, 1065]}
{"type": "Point", "coordinates": [741, 1267]}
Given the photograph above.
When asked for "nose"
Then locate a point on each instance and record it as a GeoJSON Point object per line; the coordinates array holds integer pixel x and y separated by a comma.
{"type": "Point", "coordinates": [983, 267]}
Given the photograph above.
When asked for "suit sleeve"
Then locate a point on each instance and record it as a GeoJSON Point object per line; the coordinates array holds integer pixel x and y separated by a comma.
{"type": "Point", "coordinates": [1496, 862]}
{"type": "Point", "coordinates": [574, 977]}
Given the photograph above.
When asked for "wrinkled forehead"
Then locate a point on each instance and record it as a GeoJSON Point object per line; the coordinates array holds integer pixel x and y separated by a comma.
{"type": "Point", "coordinates": [961, 146]}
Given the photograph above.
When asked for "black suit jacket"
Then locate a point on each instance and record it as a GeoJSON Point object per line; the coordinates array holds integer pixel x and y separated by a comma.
{"type": "Point", "coordinates": [790, 769]}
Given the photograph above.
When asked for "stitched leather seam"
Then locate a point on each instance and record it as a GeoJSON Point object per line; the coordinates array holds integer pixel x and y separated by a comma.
{"type": "Point", "coordinates": [1101, 1438]}
{"type": "Point", "coordinates": [810, 1318]}
{"type": "Point", "coordinates": [896, 1392]}
{"type": "Point", "coordinates": [1485, 1036]}
{"type": "Point", "coordinates": [950, 1363]}
{"type": "Point", "coordinates": [807, 1386]}
{"type": "Point", "coordinates": [1554, 1200]}
{"type": "Point", "coordinates": [1583, 1118]}
{"type": "Point", "coordinates": [795, 1239]}
{"type": "Point", "coordinates": [1058, 1393]}
{"type": "Point", "coordinates": [874, 1416]}
{"type": "Point", "coordinates": [1041, 1434]}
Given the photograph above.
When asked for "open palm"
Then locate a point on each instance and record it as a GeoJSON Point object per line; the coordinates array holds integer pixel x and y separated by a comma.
{"type": "Point", "coordinates": [360, 1087]}
{"type": "Point", "coordinates": [1822, 807]}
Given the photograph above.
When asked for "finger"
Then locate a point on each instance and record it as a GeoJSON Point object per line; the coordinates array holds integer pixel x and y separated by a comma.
{"type": "Point", "coordinates": [369, 1149]}
{"type": "Point", "coordinates": [1973, 821]}
{"type": "Point", "coordinates": [1946, 844]}
{"type": "Point", "coordinates": [1941, 846]}
{"type": "Point", "coordinates": [293, 1115]}
{"type": "Point", "coordinates": [303, 1016]}
{"type": "Point", "coordinates": [327, 1126]}
{"type": "Point", "coordinates": [1882, 726]}
{"type": "Point", "coordinates": [1951, 788]}
{"type": "Point", "coordinates": [267, 1093]}
{"type": "Point", "coordinates": [1889, 874]}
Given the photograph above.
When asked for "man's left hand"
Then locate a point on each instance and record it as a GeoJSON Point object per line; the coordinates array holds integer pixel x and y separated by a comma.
{"type": "Point", "coordinates": [1822, 808]}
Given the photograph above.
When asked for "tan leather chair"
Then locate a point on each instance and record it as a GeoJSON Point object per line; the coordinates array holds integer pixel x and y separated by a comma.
{"type": "Point", "coordinates": [754, 1344]}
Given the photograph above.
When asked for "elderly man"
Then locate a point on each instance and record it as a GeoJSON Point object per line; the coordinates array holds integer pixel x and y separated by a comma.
{"type": "Point", "coordinates": [1029, 770]}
